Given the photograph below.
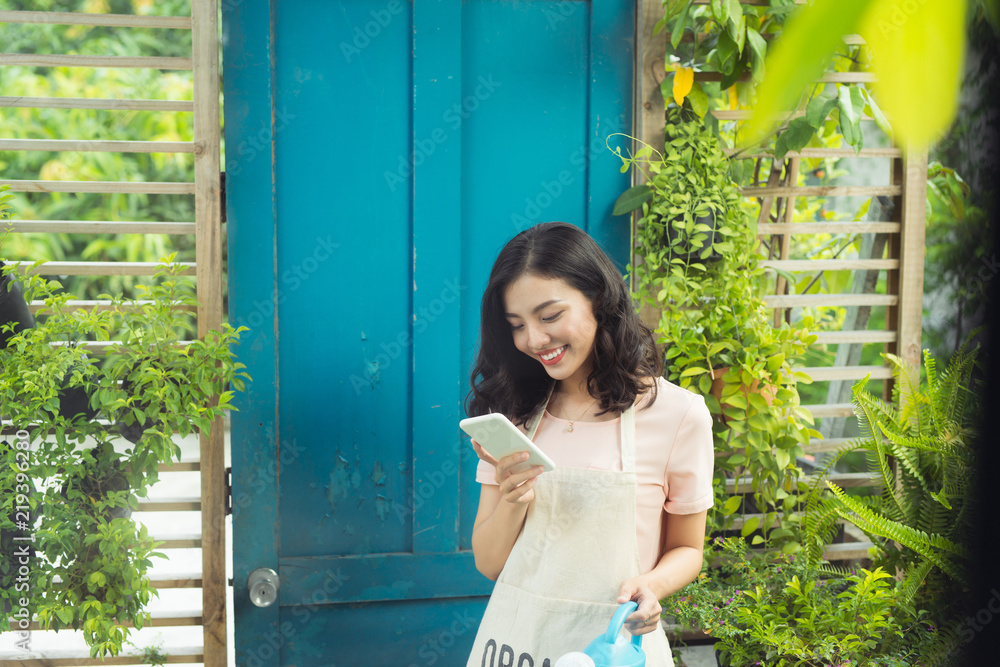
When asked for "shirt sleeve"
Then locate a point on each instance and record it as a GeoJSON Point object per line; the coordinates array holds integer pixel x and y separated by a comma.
{"type": "Point", "coordinates": [688, 475]}
{"type": "Point", "coordinates": [486, 473]}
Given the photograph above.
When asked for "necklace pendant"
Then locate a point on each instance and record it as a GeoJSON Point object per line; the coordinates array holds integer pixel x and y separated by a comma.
{"type": "Point", "coordinates": [569, 429]}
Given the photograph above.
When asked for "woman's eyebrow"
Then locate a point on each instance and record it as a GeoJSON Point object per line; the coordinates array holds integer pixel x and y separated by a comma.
{"type": "Point", "coordinates": [536, 308]}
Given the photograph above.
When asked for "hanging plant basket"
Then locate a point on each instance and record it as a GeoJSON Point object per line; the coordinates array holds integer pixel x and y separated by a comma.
{"type": "Point", "coordinates": [13, 307]}
{"type": "Point", "coordinates": [679, 240]}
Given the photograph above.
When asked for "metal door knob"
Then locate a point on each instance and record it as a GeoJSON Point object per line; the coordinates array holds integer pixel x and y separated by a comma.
{"type": "Point", "coordinates": [263, 586]}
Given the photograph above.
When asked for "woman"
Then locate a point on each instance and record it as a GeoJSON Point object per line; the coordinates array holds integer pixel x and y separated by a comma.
{"type": "Point", "coordinates": [563, 354]}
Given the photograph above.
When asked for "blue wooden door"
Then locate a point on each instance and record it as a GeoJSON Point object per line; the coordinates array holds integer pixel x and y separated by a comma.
{"type": "Point", "coordinates": [378, 156]}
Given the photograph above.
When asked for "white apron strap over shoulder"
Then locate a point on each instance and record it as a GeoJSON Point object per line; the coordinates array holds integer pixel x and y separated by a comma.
{"type": "Point", "coordinates": [559, 586]}
{"type": "Point", "coordinates": [536, 418]}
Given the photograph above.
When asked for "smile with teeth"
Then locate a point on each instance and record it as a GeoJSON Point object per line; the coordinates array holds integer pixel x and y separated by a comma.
{"type": "Point", "coordinates": [549, 356]}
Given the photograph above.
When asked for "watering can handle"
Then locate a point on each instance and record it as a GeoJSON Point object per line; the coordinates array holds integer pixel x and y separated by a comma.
{"type": "Point", "coordinates": [618, 620]}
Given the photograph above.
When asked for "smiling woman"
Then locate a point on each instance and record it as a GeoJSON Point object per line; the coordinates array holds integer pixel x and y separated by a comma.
{"type": "Point", "coordinates": [559, 331]}
{"type": "Point", "coordinates": [622, 517]}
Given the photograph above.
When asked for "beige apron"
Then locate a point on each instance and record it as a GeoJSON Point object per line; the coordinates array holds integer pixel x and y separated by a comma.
{"type": "Point", "coordinates": [559, 586]}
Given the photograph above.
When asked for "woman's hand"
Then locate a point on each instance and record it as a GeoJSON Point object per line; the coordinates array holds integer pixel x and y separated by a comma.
{"type": "Point", "coordinates": [498, 523]}
{"type": "Point", "coordinates": [515, 487]}
{"type": "Point", "coordinates": [646, 618]}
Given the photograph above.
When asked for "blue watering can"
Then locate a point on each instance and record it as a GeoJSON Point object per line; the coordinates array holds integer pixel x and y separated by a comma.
{"type": "Point", "coordinates": [611, 649]}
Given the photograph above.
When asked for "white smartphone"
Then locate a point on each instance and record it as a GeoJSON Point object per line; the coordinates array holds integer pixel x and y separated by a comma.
{"type": "Point", "coordinates": [499, 437]}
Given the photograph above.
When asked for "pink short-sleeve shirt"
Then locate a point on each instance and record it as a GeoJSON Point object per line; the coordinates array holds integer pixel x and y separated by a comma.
{"type": "Point", "coordinates": [674, 457]}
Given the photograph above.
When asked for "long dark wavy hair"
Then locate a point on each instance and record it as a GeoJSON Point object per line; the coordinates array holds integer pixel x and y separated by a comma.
{"type": "Point", "coordinates": [506, 380]}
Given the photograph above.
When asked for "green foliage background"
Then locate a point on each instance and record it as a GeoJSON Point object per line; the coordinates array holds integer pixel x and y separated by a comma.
{"type": "Point", "coordinates": [961, 260]}
{"type": "Point", "coordinates": [22, 123]}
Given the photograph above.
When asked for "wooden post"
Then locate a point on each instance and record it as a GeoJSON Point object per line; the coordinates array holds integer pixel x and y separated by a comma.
{"type": "Point", "coordinates": [791, 179]}
{"type": "Point", "coordinates": [911, 256]}
{"type": "Point", "coordinates": [650, 113]}
{"type": "Point", "coordinates": [909, 171]}
{"type": "Point", "coordinates": [208, 244]}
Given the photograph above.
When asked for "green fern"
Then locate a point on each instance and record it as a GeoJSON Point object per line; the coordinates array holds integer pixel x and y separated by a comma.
{"type": "Point", "coordinates": [918, 446]}
{"type": "Point", "coordinates": [875, 525]}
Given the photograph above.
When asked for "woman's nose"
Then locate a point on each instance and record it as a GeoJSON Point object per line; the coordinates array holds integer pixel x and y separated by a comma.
{"type": "Point", "coordinates": [537, 339]}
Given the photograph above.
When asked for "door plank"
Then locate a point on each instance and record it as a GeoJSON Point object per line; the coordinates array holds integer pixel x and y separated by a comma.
{"type": "Point", "coordinates": [437, 290]}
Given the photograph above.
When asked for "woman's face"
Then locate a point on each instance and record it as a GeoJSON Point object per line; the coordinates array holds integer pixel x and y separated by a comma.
{"type": "Point", "coordinates": [553, 323]}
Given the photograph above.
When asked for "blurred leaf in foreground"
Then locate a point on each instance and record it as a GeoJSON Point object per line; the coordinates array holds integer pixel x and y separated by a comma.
{"type": "Point", "coordinates": [915, 49]}
{"type": "Point", "coordinates": [916, 52]}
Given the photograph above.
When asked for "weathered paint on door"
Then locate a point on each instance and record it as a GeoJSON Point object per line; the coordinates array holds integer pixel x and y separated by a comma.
{"type": "Point", "coordinates": [378, 156]}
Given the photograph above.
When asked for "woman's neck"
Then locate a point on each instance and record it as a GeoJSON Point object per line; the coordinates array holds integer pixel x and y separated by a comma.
{"type": "Point", "coordinates": [573, 391]}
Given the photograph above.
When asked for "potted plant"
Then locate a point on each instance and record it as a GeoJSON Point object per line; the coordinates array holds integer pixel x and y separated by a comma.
{"type": "Point", "coordinates": [93, 559]}
{"type": "Point", "coordinates": [714, 324]}
{"type": "Point", "coordinates": [769, 608]}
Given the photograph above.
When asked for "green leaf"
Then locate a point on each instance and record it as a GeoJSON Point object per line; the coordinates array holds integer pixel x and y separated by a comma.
{"type": "Point", "coordinates": [737, 400]}
{"type": "Point", "coordinates": [737, 28]}
{"type": "Point", "coordinates": [720, 10]}
{"type": "Point", "coordinates": [65, 615]}
{"type": "Point", "coordinates": [735, 10]}
{"type": "Point", "coordinates": [857, 100]}
{"type": "Point", "coordinates": [699, 100]}
{"type": "Point", "coordinates": [847, 129]}
{"type": "Point", "coordinates": [775, 362]}
{"type": "Point", "coordinates": [731, 505]}
{"type": "Point", "coordinates": [942, 498]}
{"type": "Point", "coordinates": [750, 525]}
{"type": "Point", "coordinates": [880, 119]}
{"type": "Point", "coordinates": [694, 370]}
{"type": "Point", "coordinates": [726, 54]}
{"type": "Point", "coordinates": [818, 109]}
{"type": "Point", "coordinates": [731, 78]}
{"type": "Point", "coordinates": [678, 31]}
{"type": "Point", "coordinates": [759, 47]}
{"type": "Point", "coordinates": [791, 548]}
{"type": "Point", "coordinates": [798, 56]}
{"type": "Point", "coordinates": [863, 209]}
{"type": "Point", "coordinates": [632, 199]}
{"type": "Point", "coordinates": [782, 458]}
{"type": "Point", "coordinates": [847, 107]}
{"type": "Point", "coordinates": [794, 138]}
{"type": "Point", "coordinates": [758, 402]}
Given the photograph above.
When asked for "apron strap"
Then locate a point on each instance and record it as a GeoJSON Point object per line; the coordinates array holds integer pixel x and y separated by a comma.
{"type": "Point", "coordinates": [627, 431]}
{"type": "Point", "coordinates": [536, 419]}
{"type": "Point", "coordinates": [628, 439]}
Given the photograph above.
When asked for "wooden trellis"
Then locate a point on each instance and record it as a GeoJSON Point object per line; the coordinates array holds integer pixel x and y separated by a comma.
{"type": "Point", "coordinates": [207, 269]}
{"type": "Point", "coordinates": [903, 230]}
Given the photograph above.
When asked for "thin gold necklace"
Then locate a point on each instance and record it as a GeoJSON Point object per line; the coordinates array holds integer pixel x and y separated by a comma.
{"type": "Point", "coordinates": [569, 429]}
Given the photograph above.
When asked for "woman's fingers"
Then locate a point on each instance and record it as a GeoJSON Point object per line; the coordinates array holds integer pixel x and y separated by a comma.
{"type": "Point", "coordinates": [483, 454]}
{"type": "Point", "coordinates": [522, 493]}
{"type": "Point", "coordinates": [516, 487]}
{"type": "Point", "coordinates": [646, 617]}
{"type": "Point", "coordinates": [517, 479]}
{"type": "Point", "coordinates": [641, 622]}
{"type": "Point", "coordinates": [504, 465]}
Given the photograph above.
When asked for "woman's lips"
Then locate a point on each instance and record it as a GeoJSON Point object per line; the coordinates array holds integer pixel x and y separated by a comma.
{"type": "Point", "coordinates": [556, 359]}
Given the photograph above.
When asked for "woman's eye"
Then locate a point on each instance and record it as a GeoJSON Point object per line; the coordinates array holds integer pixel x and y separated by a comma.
{"type": "Point", "coordinates": [551, 317]}
{"type": "Point", "coordinates": [516, 327]}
